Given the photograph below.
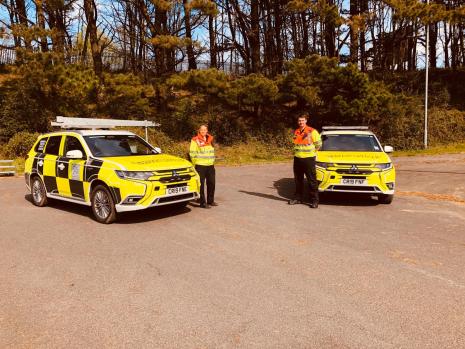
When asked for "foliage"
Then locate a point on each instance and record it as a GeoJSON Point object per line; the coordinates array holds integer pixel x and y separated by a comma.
{"type": "Point", "coordinates": [238, 110]}
{"type": "Point", "coordinates": [253, 90]}
{"type": "Point", "coordinates": [44, 87]}
{"type": "Point", "coordinates": [20, 144]}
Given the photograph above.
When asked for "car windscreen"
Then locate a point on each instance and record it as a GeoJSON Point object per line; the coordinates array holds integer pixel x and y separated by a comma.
{"type": "Point", "coordinates": [350, 142]}
{"type": "Point", "coordinates": [118, 145]}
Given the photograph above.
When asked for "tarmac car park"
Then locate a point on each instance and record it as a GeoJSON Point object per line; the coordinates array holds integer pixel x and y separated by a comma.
{"type": "Point", "coordinates": [352, 160]}
{"type": "Point", "coordinates": [111, 171]}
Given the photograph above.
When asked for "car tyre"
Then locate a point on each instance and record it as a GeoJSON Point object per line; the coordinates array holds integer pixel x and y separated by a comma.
{"type": "Point", "coordinates": [103, 205]}
{"type": "Point", "coordinates": [385, 199]}
{"type": "Point", "coordinates": [38, 192]}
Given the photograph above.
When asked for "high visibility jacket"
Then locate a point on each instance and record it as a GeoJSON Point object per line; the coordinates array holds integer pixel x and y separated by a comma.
{"type": "Point", "coordinates": [201, 150]}
{"type": "Point", "coordinates": [306, 141]}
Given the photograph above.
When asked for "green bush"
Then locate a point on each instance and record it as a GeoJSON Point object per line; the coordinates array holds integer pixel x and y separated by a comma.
{"type": "Point", "coordinates": [20, 144]}
{"type": "Point", "coordinates": [238, 110]}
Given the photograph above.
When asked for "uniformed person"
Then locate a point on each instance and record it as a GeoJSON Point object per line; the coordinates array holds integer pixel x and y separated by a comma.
{"type": "Point", "coordinates": [202, 155]}
{"type": "Point", "coordinates": [306, 141]}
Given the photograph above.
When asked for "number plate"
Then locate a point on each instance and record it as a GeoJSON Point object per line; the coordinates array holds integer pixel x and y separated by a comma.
{"type": "Point", "coordinates": [353, 181]}
{"type": "Point", "coordinates": [177, 190]}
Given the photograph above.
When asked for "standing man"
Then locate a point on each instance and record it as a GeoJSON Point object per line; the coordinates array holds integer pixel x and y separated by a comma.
{"type": "Point", "coordinates": [202, 156]}
{"type": "Point", "coordinates": [306, 142]}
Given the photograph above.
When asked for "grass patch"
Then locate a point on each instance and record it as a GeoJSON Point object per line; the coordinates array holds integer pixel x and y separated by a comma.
{"type": "Point", "coordinates": [19, 164]}
{"type": "Point", "coordinates": [452, 148]}
{"type": "Point", "coordinates": [254, 152]}
{"type": "Point", "coordinates": [251, 153]}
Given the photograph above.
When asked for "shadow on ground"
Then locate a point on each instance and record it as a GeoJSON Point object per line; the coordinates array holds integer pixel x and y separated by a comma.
{"type": "Point", "coordinates": [149, 214]}
{"type": "Point", "coordinates": [285, 188]}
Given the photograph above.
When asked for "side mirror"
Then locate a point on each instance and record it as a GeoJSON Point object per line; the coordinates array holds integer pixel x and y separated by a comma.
{"type": "Point", "coordinates": [158, 150]}
{"type": "Point", "coordinates": [388, 149]}
{"type": "Point", "coordinates": [74, 154]}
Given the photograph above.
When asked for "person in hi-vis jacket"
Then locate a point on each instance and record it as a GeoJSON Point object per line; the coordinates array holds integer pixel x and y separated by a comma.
{"type": "Point", "coordinates": [202, 155]}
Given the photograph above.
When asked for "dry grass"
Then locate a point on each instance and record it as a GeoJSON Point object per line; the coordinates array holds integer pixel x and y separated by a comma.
{"type": "Point", "coordinates": [452, 148]}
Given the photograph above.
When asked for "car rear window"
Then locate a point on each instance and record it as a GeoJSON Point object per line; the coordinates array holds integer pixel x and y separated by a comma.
{"type": "Point", "coordinates": [53, 145]}
{"type": "Point", "coordinates": [41, 145]}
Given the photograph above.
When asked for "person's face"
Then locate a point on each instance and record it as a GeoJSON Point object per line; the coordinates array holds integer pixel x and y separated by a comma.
{"type": "Point", "coordinates": [302, 122]}
{"type": "Point", "coordinates": [203, 131]}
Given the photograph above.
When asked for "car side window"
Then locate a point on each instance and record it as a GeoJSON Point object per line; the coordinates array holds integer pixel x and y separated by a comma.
{"type": "Point", "coordinates": [53, 145]}
{"type": "Point", "coordinates": [72, 143]}
{"type": "Point", "coordinates": [41, 145]}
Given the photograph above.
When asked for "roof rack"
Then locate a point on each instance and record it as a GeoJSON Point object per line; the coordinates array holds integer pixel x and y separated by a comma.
{"type": "Point", "coordinates": [94, 124]}
{"type": "Point", "coordinates": [346, 128]}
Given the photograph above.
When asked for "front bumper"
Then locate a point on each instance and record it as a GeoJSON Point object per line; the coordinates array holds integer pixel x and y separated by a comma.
{"type": "Point", "coordinates": [154, 193]}
{"type": "Point", "coordinates": [377, 182]}
{"type": "Point", "coordinates": [159, 201]}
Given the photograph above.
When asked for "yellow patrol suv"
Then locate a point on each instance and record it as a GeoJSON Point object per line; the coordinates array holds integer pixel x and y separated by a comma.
{"type": "Point", "coordinates": [351, 160]}
{"type": "Point", "coordinates": [111, 171]}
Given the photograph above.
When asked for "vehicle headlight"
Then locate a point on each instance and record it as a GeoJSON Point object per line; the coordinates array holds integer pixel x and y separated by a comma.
{"type": "Point", "coordinates": [324, 165]}
{"type": "Point", "coordinates": [385, 166]}
{"type": "Point", "coordinates": [142, 175]}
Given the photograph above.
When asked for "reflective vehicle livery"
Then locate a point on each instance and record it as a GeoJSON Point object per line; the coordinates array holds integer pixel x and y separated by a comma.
{"type": "Point", "coordinates": [111, 171]}
{"type": "Point", "coordinates": [352, 160]}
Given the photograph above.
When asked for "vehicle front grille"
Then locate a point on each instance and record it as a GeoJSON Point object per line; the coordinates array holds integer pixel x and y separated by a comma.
{"type": "Point", "coordinates": [164, 172]}
{"type": "Point", "coordinates": [175, 198]}
{"type": "Point", "coordinates": [354, 177]}
{"type": "Point", "coordinates": [172, 179]}
{"type": "Point", "coordinates": [353, 188]}
{"type": "Point", "coordinates": [350, 171]}
{"type": "Point", "coordinates": [176, 185]}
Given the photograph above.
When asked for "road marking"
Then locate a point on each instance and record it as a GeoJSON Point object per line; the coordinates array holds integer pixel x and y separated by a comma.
{"type": "Point", "coordinates": [434, 276]}
{"type": "Point", "coordinates": [431, 196]}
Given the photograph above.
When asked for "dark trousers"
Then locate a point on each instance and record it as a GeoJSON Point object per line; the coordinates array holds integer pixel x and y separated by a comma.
{"type": "Point", "coordinates": [207, 174]}
{"type": "Point", "coordinates": [305, 166]}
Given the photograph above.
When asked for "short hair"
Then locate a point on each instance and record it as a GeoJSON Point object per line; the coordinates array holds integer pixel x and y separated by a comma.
{"type": "Point", "coordinates": [203, 125]}
{"type": "Point", "coordinates": [303, 116]}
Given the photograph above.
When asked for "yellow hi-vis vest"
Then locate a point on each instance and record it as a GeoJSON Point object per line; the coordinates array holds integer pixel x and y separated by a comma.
{"type": "Point", "coordinates": [202, 152]}
{"type": "Point", "coordinates": [306, 142]}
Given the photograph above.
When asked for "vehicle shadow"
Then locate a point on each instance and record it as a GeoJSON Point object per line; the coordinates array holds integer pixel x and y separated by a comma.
{"type": "Point", "coordinates": [285, 188]}
{"type": "Point", "coordinates": [149, 214]}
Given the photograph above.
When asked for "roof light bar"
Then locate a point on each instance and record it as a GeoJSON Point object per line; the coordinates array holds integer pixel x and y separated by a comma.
{"type": "Point", "coordinates": [359, 128]}
{"type": "Point", "coordinates": [88, 123]}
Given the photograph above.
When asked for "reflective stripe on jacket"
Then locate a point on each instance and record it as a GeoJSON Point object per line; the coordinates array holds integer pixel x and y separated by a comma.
{"type": "Point", "coordinates": [201, 150]}
{"type": "Point", "coordinates": [306, 141]}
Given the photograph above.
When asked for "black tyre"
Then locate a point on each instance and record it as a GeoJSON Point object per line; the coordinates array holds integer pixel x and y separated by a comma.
{"type": "Point", "coordinates": [103, 205]}
{"type": "Point", "coordinates": [385, 199]}
{"type": "Point", "coordinates": [39, 195]}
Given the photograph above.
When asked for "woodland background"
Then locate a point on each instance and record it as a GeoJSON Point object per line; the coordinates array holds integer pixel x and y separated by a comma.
{"type": "Point", "coordinates": [245, 67]}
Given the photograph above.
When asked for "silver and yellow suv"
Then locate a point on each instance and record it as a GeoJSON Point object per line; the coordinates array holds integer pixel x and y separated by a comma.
{"type": "Point", "coordinates": [111, 171]}
{"type": "Point", "coordinates": [352, 160]}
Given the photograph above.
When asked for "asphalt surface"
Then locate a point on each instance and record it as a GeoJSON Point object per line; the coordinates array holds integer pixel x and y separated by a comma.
{"type": "Point", "coordinates": [253, 272]}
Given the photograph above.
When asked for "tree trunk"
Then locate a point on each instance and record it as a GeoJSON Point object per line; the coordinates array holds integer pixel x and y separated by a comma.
{"type": "Point", "coordinates": [354, 36]}
{"type": "Point", "coordinates": [212, 37]}
{"type": "Point", "coordinates": [90, 10]}
{"type": "Point", "coordinates": [254, 36]}
{"type": "Point", "coordinates": [190, 47]}
{"type": "Point", "coordinates": [433, 39]}
{"type": "Point", "coordinates": [22, 17]}
{"type": "Point", "coordinates": [41, 24]}
{"type": "Point", "coordinates": [330, 34]}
